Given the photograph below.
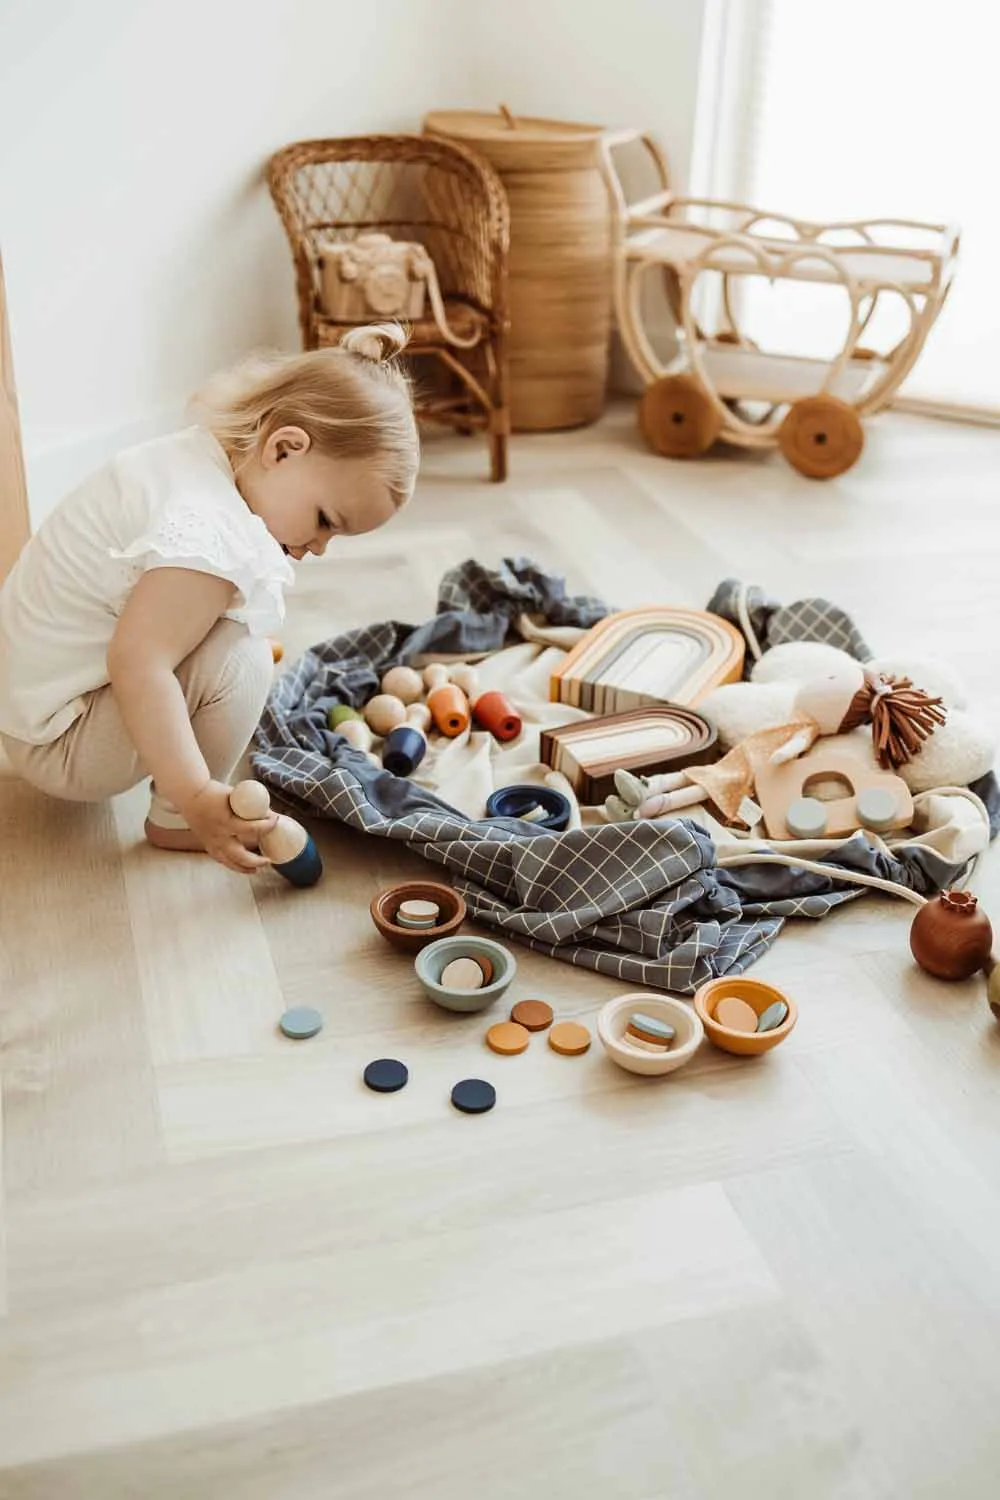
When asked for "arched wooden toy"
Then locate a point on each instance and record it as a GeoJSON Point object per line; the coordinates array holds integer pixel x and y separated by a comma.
{"type": "Point", "coordinates": [874, 799]}
{"type": "Point", "coordinates": [715, 385]}
{"type": "Point", "coordinates": [657, 654]}
{"type": "Point", "coordinates": [288, 846]}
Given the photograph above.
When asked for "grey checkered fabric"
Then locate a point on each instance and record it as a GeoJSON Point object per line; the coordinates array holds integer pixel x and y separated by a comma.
{"type": "Point", "coordinates": [645, 902]}
{"type": "Point", "coordinates": [775, 624]}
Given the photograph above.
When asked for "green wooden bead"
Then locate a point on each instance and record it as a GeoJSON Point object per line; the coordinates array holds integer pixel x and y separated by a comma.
{"type": "Point", "coordinates": [339, 712]}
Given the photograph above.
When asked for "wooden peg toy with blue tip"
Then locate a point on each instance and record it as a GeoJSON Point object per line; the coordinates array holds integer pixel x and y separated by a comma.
{"type": "Point", "coordinates": [288, 845]}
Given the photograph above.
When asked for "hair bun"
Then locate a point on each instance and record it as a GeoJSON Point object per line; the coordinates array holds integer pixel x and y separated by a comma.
{"type": "Point", "coordinates": [376, 341]}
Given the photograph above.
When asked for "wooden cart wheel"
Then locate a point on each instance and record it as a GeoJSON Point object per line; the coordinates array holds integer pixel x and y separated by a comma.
{"type": "Point", "coordinates": [677, 418]}
{"type": "Point", "coordinates": [821, 436]}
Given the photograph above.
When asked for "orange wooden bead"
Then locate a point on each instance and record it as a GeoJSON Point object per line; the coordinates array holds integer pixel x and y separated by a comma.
{"type": "Point", "coordinates": [496, 714]}
{"type": "Point", "coordinates": [449, 709]}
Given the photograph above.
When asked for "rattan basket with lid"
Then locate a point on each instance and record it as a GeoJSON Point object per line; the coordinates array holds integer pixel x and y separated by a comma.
{"type": "Point", "coordinates": [561, 243]}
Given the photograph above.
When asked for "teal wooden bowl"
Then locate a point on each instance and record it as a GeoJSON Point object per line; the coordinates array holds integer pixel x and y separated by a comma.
{"type": "Point", "coordinates": [431, 962]}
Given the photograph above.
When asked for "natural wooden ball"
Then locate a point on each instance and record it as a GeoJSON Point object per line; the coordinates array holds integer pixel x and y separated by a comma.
{"type": "Point", "coordinates": [384, 712]}
{"type": "Point", "coordinates": [403, 683]}
{"type": "Point", "coordinates": [436, 675]}
{"type": "Point", "coordinates": [250, 800]}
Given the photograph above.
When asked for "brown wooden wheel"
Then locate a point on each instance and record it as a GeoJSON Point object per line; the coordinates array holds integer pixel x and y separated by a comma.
{"type": "Point", "coordinates": [677, 418]}
{"type": "Point", "coordinates": [821, 436]}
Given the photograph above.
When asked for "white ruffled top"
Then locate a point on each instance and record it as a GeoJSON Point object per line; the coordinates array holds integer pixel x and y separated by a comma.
{"type": "Point", "coordinates": [170, 503]}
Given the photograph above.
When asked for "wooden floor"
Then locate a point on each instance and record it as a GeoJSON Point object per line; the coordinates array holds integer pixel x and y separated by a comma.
{"type": "Point", "coordinates": [231, 1273]}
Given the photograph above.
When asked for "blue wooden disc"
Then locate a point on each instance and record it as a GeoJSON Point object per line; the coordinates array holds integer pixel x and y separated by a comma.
{"type": "Point", "coordinates": [473, 1096]}
{"type": "Point", "coordinates": [301, 1022]}
{"type": "Point", "coordinates": [386, 1074]}
{"type": "Point", "coordinates": [773, 1017]}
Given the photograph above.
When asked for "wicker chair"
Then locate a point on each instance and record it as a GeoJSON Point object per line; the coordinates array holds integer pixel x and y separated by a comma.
{"type": "Point", "coordinates": [413, 188]}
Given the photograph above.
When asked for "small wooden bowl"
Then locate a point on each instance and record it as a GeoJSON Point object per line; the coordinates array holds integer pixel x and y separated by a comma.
{"type": "Point", "coordinates": [432, 961]}
{"type": "Point", "coordinates": [386, 904]}
{"type": "Point", "coordinates": [613, 1018]}
{"type": "Point", "coordinates": [758, 996]}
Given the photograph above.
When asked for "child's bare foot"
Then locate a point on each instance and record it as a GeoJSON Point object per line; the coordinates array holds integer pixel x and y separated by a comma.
{"type": "Point", "coordinates": [184, 840]}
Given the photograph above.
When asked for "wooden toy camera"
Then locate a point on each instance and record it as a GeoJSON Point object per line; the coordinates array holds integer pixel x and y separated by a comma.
{"type": "Point", "coordinates": [373, 275]}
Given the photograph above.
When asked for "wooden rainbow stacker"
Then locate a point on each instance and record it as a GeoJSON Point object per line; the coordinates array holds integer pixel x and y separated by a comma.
{"type": "Point", "coordinates": [641, 657]}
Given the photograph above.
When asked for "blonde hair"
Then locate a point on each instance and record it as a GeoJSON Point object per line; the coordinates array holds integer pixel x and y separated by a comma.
{"type": "Point", "coordinates": [354, 401]}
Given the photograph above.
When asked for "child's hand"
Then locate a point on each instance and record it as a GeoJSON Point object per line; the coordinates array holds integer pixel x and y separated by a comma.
{"type": "Point", "coordinates": [224, 835]}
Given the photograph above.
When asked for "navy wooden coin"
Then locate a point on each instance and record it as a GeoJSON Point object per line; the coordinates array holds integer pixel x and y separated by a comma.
{"type": "Point", "coordinates": [386, 1074]}
{"type": "Point", "coordinates": [473, 1096]}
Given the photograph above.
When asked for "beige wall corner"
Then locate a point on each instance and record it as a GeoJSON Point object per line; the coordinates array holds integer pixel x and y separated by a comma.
{"type": "Point", "coordinates": [14, 526]}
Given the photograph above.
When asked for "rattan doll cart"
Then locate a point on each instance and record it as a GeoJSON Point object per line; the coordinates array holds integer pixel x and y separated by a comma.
{"type": "Point", "coordinates": [721, 385]}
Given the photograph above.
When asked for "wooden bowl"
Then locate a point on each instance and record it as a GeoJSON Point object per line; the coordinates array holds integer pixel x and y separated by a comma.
{"type": "Point", "coordinates": [613, 1018]}
{"type": "Point", "coordinates": [431, 963]}
{"type": "Point", "coordinates": [758, 996]}
{"type": "Point", "coordinates": [386, 904]}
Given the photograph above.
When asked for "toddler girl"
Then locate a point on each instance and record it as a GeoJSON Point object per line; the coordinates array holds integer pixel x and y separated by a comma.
{"type": "Point", "coordinates": [134, 627]}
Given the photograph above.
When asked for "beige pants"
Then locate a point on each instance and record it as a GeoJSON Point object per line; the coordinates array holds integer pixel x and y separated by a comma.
{"type": "Point", "coordinates": [225, 682]}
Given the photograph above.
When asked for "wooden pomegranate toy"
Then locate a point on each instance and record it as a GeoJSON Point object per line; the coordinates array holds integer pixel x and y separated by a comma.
{"type": "Point", "coordinates": [951, 937]}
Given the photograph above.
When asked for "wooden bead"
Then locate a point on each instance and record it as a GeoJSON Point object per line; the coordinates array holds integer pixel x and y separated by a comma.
{"type": "Point", "coordinates": [419, 715]}
{"type": "Point", "coordinates": [435, 676]}
{"type": "Point", "coordinates": [356, 733]}
{"type": "Point", "coordinates": [496, 714]}
{"type": "Point", "coordinates": [466, 678]}
{"type": "Point", "coordinates": [449, 709]}
{"type": "Point", "coordinates": [403, 683]}
{"type": "Point", "coordinates": [277, 651]}
{"type": "Point", "coordinates": [250, 800]}
{"type": "Point", "coordinates": [951, 936]}
{"type": "Point", "coordinates": [286, 840]}
{"type": "Point", "coordinates": [339, 714]}
{"type": "Point", "coordinates": [384, 712]}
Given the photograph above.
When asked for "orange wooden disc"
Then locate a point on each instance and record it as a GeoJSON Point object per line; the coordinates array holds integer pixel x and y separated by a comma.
{"type": "Point", "coordinates": [534, 1014]}
{"type": "Point", "coordinates": [569, 1038]}
{"type": "Point", "coordinates": [735, 1014]}
{"type": "Point", "coordinates": [507, 1038]}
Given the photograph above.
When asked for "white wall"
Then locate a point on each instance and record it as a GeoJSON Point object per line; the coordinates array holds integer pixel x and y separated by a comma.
{"type": "Point", "coordinates": [609, 62]}
{"type": "Point", "coordinates": [140, 245]}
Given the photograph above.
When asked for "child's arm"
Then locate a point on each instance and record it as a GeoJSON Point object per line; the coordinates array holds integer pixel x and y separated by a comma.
{"type": "Point", "coordinates": [169, 612]}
